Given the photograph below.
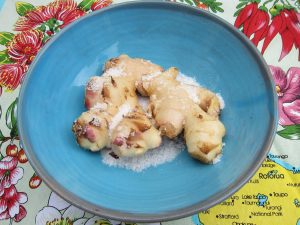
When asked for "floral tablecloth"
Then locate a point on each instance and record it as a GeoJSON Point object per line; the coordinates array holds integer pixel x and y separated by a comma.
{"type": "Point", "coordinates": [271, 197]}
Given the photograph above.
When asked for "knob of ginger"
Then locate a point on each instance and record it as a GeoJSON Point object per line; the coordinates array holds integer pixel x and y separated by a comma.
{"type": "Point", "coordinates": [114, 118]}
{"type": "Point", "coordinates": [176, 107]}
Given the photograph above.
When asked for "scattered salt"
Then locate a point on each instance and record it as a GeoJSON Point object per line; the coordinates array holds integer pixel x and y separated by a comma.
{"type": "Point", "coordinates": [145, 61]}
{"type": "Point", "coordinates": [217, 159]}
{"type": "Point", "coordinates": [100, 106]}
{"type": "Point", "coordinates": [114, 72]}
{"type": "Point", "coordinates": [192, 92]}
{"type": "Point", "coordinates": [167, 152]}
{"type": "Point", "coordinates": [95, 84]}
{"type": "Point", "coordinates": [183, 79]}
{"type": "Point", "coordinates": [123, 110]}
{"type": "Point", "coordinates": [144, 102]}
{"type": "Point", "coordinates": [187, 80]}
{"type": "Point", "coordinates": [221, 100]}
{"type": "Point", "coordinates": [149, 77]}
{"type": "Point", "coordinates": [191, 89]}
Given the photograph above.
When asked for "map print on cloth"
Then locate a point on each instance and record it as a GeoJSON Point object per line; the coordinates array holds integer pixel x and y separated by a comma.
{"type": "Point", "coordinates": [272, 196]}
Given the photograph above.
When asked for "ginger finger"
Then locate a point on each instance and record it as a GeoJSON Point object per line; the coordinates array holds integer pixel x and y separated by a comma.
{"type": "Point", "coordinates": [88, 129]}
{"type": "Point", "coordinates": [176, 106]}
{"type": "Point", "coordinates": [206, 99]}
{"type": "Point", "coordinates": [209, 102]}
{"type": "Point", "coordinates": [133, 68]}
{"type": "Point", "coordinates": [168, 102]}
{"type": "Point", "coordinates": [134, 135]}
{"type": "Point", "coordinates": [203, 135]}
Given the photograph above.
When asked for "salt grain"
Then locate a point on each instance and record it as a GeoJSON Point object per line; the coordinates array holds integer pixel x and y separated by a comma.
{"type": "Point", "coordinates": [149, 77]}
{"type": "Point", "coordinates": [217, 159]}
{"type": "Point", "coordinates": [114, 72]}
{"type": "Point", "coordinates": [165, 153]}
{"type": "Point", "coordinates": [191, 90]}
{"type": "Point", "coordinates": [100, 106]}
{"type": "Point", "coordinates": [187, 80]}
{"type": "Point", "coordinates": [144, 102]}
{"type": "Point", "coordinates": [183, 79]}
{"type": "Point", "coordinates": [221, 100]}
{"type": "Point", "coordinates": [95, 84]}
{"type": "Point", "coordinates": [123, 111]}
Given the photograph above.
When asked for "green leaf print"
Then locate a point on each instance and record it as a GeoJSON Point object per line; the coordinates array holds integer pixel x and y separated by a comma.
{"type": "Point", "coordinates": [291, 132]}
{"type": "Point", "coordinates": [23, 8]}
{"type": "Point", "coordinates": [11, 115]}
{"type": "Point", "coordinates": [4, 59]}
{"type": "Point", "coordinates": [2, 138]}
{"type": "Point", "coordinates": [6, 37]}
{"type": "Point", "coordinates": [86, 4]}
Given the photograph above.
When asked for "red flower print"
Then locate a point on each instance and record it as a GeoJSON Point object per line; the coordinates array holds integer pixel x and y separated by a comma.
{"type": "Point", "coordinates": [11, 75]}
{"type": "Point", "coordinates": [259, 25]}
{"type": "Point", "coordinates": [273, 30]}
{"type": "Point", "coordinates": [285, 23]}
{"type": "Point", "coordinates": [288, 91]}
{"type": "Point", "coordinates": [245, 16]}
{"type": "Point", "coordinates": [25, 45]}
{"type": "Point", "coordinates": [10, 204]}
{"type": "Point", "coordinates": [253, 19]}
{"type": "Point", "coordinates": [99, 4]}
{"type": "Point", "coordinates": [51, 18]}
{"type": "Point", "coordinates": [10, 174]}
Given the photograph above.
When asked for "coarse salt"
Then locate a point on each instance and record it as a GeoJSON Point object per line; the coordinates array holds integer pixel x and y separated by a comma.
{"type": "Point", "coordinates": [95, 84]}
{"type": "Point", "coordinates": [182, 78]}
{"type": "Point", "coordinates": [123, 111]}
{"type": "Point", "coordinates": [221, 100]}
{"type": "Point", "coordinates": [149, 77]}
{"type": "Point", "coordinates": [114, 72]}
{"type": "Point", "coordinates": [190, 85]}
{"type": "Point", "coordinates": [217, 159]}
{"type": "Point", "coordinates": [144, 102]}
{"type": "Point", "coordinates": [191, 90]}
{"type": "Point", "coordinates": [167, 152]}
{"type": "Point", "coordinates": [102, 106]}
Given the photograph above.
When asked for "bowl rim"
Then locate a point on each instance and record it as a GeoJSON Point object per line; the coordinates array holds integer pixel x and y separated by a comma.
{"type": "Point", "coordinates": [169, 215]}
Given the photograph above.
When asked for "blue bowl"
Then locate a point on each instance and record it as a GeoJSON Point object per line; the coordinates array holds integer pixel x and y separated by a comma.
{"type": "Point", "coordinates": [169, 34]}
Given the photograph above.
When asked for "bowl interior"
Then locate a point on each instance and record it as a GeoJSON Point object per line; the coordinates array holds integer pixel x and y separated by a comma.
{"type": "Point", "coordinates": [169, 35]}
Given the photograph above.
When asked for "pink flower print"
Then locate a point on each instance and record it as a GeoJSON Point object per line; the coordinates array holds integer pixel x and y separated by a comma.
{"type": "Point", "coordinates": [9, 173]}
{"type": "Point", "coordinates": [288, 91]}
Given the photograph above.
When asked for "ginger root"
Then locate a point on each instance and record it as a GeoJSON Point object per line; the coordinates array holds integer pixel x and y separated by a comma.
{"type": "Point", "coordinates": [177, 107]}
{"type": "Point", "coordinates": [114, 118]}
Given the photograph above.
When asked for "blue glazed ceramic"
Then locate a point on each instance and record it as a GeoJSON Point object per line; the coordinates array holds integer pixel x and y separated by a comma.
{"type": "Point", "coordinates": [169, 34]}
